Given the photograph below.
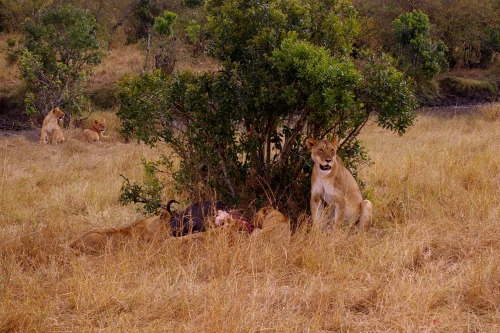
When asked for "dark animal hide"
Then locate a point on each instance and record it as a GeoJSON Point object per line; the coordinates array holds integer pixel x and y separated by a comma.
{"type": "Point", "coordinates": [193, 218]}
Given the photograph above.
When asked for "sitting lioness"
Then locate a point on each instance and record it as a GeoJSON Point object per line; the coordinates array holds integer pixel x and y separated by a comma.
{"type": "Point", "coordinates": [333, 185]}
{"type": "Point", "coordinates": [50, 127]}
{"type": "Point", "coordinates": [96, 131]}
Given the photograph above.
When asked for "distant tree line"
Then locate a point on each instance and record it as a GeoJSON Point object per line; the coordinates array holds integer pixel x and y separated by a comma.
{"type": "Point", "coordinates": [134, 17]}
{"type": "Point", "coordinates": [469, 28]}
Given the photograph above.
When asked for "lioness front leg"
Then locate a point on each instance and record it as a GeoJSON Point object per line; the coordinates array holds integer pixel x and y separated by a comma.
{"type": "Point", "coordinates": [44, 138]}
{"type": "Point", "coordinates": [317, 210]}
{"type": "Point", "coordinates": [339, 212]}
{"type": "Point", "coordinates": [58, 136]}
{"type": "Point", "coordinates": [366, 215]}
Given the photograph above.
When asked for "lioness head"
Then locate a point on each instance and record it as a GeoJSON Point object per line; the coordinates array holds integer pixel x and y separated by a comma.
{"type": "Point", "coordinates": [323, 152]}
{"type": "Point", "coordinates": [58, 113]}
{"type": "Point", "coordinates": [99, 125]}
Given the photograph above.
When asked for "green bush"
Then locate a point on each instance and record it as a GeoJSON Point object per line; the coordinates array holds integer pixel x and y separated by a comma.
{"type": "Point", "coordinates": [421, 57]}
{"type": "Point", "coordinates": [148, 194]}
{"type": "Point", "coordinates": [287, 74]}
{"type": "Point", "coordinates": [59, 52]}
{"type": "Point", "coordinates": [193, 32]}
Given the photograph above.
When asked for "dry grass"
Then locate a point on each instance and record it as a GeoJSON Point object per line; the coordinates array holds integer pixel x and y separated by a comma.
{"type": "Point", "coordinates": [9, 74]}
{"type": "Point", "coordinates": [430, 264]}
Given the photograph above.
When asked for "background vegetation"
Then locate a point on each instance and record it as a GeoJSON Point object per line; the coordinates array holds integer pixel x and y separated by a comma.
{"type": "Point", "coordinates": [468, 29]}
{"type": "Point", "coordinates": [239, 133]}
{"type": "Point", "coordinates": [430, 263]}
{"type": "Point", "coordinates": [59, 52]}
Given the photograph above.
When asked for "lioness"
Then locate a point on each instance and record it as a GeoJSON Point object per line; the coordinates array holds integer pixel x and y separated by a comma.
{"type": "Point", "coordinates": [96, 131]}
{"type": "Point", "coordinates": [271, 225]}
{"type": "Point", "coordinates": [145, 230]}
{"type": "Point", "coordinates": [50, 127]}
{"type": "Point", "coordinates": [332, 184]}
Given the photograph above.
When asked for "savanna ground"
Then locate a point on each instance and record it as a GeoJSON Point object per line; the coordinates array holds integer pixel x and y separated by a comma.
{"type": "Point", "coordinates": [431, 262]}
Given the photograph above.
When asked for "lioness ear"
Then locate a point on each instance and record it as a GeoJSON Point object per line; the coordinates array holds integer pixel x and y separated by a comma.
{"type": "Point", "coordinates": [310, 143]}
{"type": "Point", "coordinates": [335, 141]}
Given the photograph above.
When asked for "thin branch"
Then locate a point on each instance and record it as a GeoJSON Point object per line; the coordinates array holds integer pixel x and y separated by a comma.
{"type": "Point", "coordinates": [226, 177]}
{"type": "Point", "coordinates": [125, 15]}
{"type": "Point", "coordinates": [296, 131]}
{"type": "Point", "coordinates": [355, 131]}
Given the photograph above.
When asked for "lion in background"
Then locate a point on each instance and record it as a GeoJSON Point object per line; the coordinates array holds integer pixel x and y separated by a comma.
{"type": "Point", "coordinates": [51, 129]}
{"type": "Point", "coordinates": [96, 131]}
{"type": "Point", "coordinates": [334, 186]}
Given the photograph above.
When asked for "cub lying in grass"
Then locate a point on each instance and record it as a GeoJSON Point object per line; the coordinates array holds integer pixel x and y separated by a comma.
{"type": "Point", "coordinates": [271, 225]}
{"type": "Point", "coordinates": [154, 227]}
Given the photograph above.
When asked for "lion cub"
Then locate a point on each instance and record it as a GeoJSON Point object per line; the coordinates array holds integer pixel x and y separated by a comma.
{"type": "Point", "coordinates": [332, 184]}
{"type": "Point", "coordinates": [96, 131]}
{"type": "Point", "coordinates": [51, 129]}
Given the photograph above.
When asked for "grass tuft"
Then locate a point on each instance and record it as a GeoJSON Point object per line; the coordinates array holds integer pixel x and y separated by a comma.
{"type": "Point", "coordinates": [483, 90]}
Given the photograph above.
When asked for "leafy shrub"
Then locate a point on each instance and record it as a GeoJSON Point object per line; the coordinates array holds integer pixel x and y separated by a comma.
{"type": "Point", "coordinates": [164, 23]}
{"type": "Point", "coordinates": [57, 57]}
{"type": "Point", "coordinates": [192, 32]}
{"type": "Point", "coordinates": [418, 55]}
{"type": "Point", "coordinates": [238, 133]}
{"type": "Point", "coordinates": [148, 194]}
{"type": "Point", "coordinates": [163, 42]}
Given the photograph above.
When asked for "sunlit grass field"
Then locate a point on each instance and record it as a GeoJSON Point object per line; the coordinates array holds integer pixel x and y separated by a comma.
{"type": "Point", "coordinates": [431, 262]}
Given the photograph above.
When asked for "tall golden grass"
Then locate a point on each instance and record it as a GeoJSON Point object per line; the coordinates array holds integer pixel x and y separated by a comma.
{"type": "Point", "coordinates": [431, 263]}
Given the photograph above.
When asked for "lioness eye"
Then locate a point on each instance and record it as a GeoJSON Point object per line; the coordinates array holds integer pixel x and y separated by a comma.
{"type": "Point", "coordinates": [321, 151]}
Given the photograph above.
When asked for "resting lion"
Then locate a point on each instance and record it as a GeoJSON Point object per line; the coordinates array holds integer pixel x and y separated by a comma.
{"type": "Point", "coordinates": [271, 225]}
{"type": "Point", "coordinates": [145, 230]}
{"type": "Point", "coordinates": [96, 131]}
{"type": "Point", "coordinates": [332, 184]}
{"type": "Point", "coordinates": [51, 129]}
